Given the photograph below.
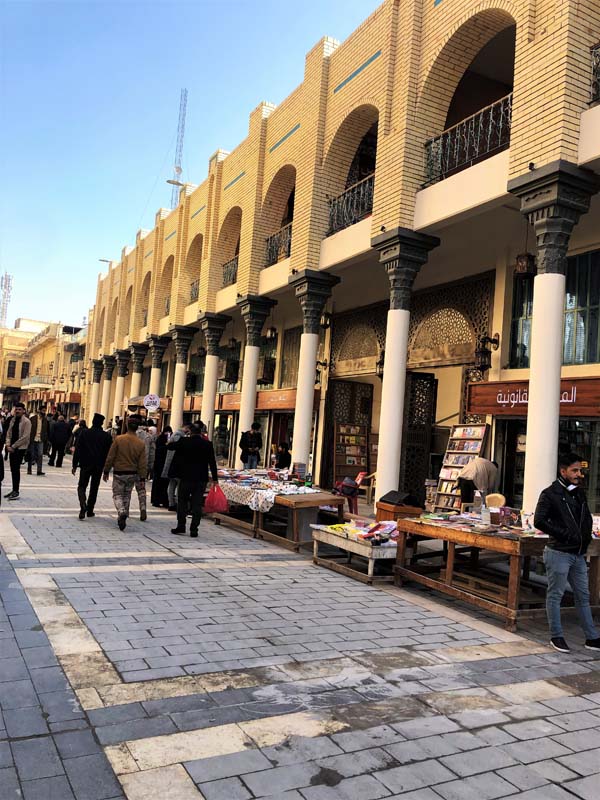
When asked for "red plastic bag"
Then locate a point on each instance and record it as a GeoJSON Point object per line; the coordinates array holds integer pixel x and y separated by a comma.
{"type": "Point", "coordinates": [216, 502]}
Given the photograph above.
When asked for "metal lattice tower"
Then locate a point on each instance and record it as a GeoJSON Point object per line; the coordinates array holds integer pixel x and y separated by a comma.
{"type": "Point", "coordinates": [5, 292]}
{"type": "Point", "coordinates": [179, 147]}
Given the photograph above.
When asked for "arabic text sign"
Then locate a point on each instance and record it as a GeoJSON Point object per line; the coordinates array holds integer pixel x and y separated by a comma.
{"type": "Point", "coordinates": [152, 402]}
{"type": "Point", "coordinates": [579, 397]}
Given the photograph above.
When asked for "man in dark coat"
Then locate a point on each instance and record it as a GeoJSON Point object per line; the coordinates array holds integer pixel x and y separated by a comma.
{"type": "Point", "coordinates": [562, 512]}
{"type": "Point", "coordinates": [251, 444]}
{"type": "Point", "coordinates": [90, 454]}
{"type": "Point", "coordinates": [37, 440]}
{"type": "Point", "coordinates": [60, 433]}
{"type": "Point", "coordinates": [193, 456]}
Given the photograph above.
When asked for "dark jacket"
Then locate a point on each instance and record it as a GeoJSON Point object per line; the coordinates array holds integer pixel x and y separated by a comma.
{"type": "Point", "coordinates": [60, 433]}
{"type": "Point", "coordinates": [34, 419]}
{"type": "Point", "coordinates": [250, 442]}
{"type": "Point", "coordinates": [193, 456]}
{"type": "Point", "coordinates": [92, 448]}
{"type": "Point", "coordinates": [565, 517]}
{"type": "Point", "coordinates": [284, 460]}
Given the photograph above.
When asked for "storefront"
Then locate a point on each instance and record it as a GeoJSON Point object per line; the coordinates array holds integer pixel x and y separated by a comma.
{"type": "Point", "coordinates": [579, 429]}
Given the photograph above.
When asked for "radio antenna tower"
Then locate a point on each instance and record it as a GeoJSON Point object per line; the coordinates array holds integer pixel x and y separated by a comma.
{"type": "Point", "coordinates": [179, 147]}
{"type": "Point", "coordinates": [5, 293]}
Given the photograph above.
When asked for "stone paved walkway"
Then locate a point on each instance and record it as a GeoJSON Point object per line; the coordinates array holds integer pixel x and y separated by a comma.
{"type": "Point", "coordinates": [141, 665]}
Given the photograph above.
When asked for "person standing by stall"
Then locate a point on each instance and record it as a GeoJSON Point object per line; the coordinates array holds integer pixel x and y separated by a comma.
{"type": "Point", "coordinates": [193, 456]}
{"type": "Point", "coordinates": [251, 444]}
{"type": "Point", "coordinates": [480, 474]}
{"type": "Point", "coordinates": [562, 512]}
{"type": "Point", "coordinates": [127, 459]}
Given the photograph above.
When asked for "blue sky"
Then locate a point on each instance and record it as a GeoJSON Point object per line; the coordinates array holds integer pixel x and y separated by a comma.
{"type": "Point", "coordinates": [89, 97]}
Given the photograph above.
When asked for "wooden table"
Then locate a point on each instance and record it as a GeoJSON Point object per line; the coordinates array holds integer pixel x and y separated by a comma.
{"type": "Point", "coordinates": [472, 583]}
{"type": "Point", "coordinates": [351, 547]}
{"type": "Point", "coordinates": [295, 504]}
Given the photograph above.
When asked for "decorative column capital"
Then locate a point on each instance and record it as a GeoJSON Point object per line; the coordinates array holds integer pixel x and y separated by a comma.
{"type": "Point", "coordinates": [138, 352]}
{"type": "Point", "coordinates": [122, 358]}
{"type": "Point", "coordinates": [97, 369]}
{"type": "Point", "coordinates": [212, 326]}
{"type": "Point", "coordinates": [110, 362]}
{"type": "Point", "coordinates": [313, 289]}
{"type": "Point", "coordinates": [182, 336]}
{"type": "Point", "coordinates": [255, 310]}
{"type": "Point", "coordinates": [403, 252]}
{"type": "Point", "coordinates": [553, 198]}
{"type": "Point", "coordinates": [157, 345]}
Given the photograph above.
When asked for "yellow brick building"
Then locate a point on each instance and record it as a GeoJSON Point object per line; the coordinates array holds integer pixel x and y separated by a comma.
{"type": "Point", "coordinates": [344, 263]}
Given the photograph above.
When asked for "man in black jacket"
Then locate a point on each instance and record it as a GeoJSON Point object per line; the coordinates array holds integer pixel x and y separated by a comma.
{"type": "Point", "coordinates": [193, 456]}
{"type": "Point", "coordinates": [562, 512]}
{"type": "Point", "coordinates": [90, 454]}
{"type": "Point", "coordinates": [60, 433]}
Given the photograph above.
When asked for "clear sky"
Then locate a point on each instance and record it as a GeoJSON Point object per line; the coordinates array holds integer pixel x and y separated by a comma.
{"type": "Point", "coordinates": [89, 97]}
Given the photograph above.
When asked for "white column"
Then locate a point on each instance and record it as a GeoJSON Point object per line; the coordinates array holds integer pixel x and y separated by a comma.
{"type": "Point", "coordinates": [104, 404]}
{"type": "Point", "coordinates": [177, 396]}
{"type": "Point", "coordinates": [118, 401]}
{"type": "Point", "coordinates": [248, 399]}
{"type": "Point", "coordinates": [136, 382]}
{"type": "Point", "coordinates": [305, 394]}
{"type": "Point", "coordinates": [94, 398]}
{"type": "Point", "coordinates": [544, 386]}
{"type": "Point", "coordinates": [209, 392]}
{"type": "Point", "coordinates": [155, 374]}
{"type": "Point", "coordinates": [392, 401]}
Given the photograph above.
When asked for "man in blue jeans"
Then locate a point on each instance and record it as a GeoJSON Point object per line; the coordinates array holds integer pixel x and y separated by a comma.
{"type": "Point", "coordinates": [562, 512]}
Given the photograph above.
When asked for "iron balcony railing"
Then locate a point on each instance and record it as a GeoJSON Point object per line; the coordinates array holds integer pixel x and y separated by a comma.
{"type": "Point", "coordinates": [279, 245]}
{"type": "Point", "coordinates": [352, 205]}
{"type": "Point", "coordinates": [230, 269]}
{"type": "Point", "coordinates": [475, 138]}
{"type": "Point", "coordinates": [595, 92]}
{"type": "Point", "coordinates": [37, 380]}
{"type": "Point", "coordinates": [194, 290]}
{"type": "Point", "coordinates": [167, 306]}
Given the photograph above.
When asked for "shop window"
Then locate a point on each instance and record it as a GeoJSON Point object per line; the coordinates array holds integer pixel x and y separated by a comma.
{"type": "Point", "coordinates": [24, 370]}
{"type": "Point", "coordinates": [196, 369]}
{"type": "Point", "coordinates": [290, 358]}
{"type": "Point", "coordinates": [11, 369]}
{"type": "Point", "coordinates": [581, 331]}
{"type": "Point", "coordinates": [164, 370]}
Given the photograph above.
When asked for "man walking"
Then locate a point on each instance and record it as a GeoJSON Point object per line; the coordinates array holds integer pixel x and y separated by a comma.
{"type": "Point", "coordinates": [90, 455]}
{"type": "Point", "coordinates": [562, 512]}
{"type": "Point", "coordinates": [193, 456]}
{"type": "Point", "coordinates": [59, 436]}
{"type": "Point", "coordinates": [127, 459]}
{"type": "Point", "coordinates": [37, 441]}
{"type": "Point", "coordinates": [167, 471]}
{"type": "Point", "coordinates": [17, 442]}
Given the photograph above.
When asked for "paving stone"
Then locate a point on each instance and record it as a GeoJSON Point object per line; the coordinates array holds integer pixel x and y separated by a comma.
{"type": "Point", "coordinates": [487, 786]}
{"type": "Point", "coordinates": [227, 789]}
{"type": "Point", "coordinates": [92, 777]}
{"type": "Point", "coordinates": [227, 766]}
{"type": "Point", "coordinates": [114, 714]}
{"type": "Point", "coordinates": [579, 721]}
{"type": "Point", "coordinates": [532, 729]}
{"type": "Point", "coordinates": [536, 750]}
{"type": "Point", "coordinates": [296, 749]}
{"type": "Point", "coordinates": [586, 788]}
{"type": "Point", "coordinates": [36, 758]}
{"type": "Point", "coordinates": [25, 722]}
{"type": "Point", "coordinates": [378, 736]}
{"type": "Point", "coordinates": [580, 740]}
{"type": "Point", "coordinates": [488, 758]}
{"type": "Point", "coordinates": [48, 789]}
{"type": "Point", "coordinates": [553, 771]}
{"type": "Point", "coordinates": [363, 787]}
{"type": "Point", "coordinates": [13, 669]}
{"type": "Point", "coordinates": [5, 755]}
{"type": "Point", "coordinates": [10, 784]}
{"type": "Point", "coordinates": [523, 777]}
{"type": "Point", "coordinates": [415, 776]}
{"type": "Point", "coordinates": [425, 726]}
{"type": "Point", "coordinates": [583, 763]}
{"type": "Point", "coordinates": [72, 744]}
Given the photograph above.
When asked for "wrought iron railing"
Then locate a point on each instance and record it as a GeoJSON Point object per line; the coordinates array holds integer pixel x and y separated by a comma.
{"type": "Point", "coordinates": [351, 206]}
{"type": "Point", "coordinates": [485, 133]}
{"type": "Point", "coordinates": [595, 91]}
{"type": "Point", "coordinates": [279, 245]}
{"type": "Point", "coordinates": [167, 306]}
{"type": "Point", "coordinates": [36, 380]}
{"type": "Point", "coordinates": [230, 269]}
{"type": "Point", "coordinates": [194, 290]}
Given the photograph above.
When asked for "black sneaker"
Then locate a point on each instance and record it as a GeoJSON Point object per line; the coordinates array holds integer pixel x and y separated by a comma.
{"type": "Point", "coordinates": [82, 513]}
{"type": "Point", "coordinates": [29, 472]}
{"type": "Point", "coordinates": [41, 473]}
{"type": "Point", "coordinates": [13, 496]}
{"type": "Point", "coordinates": [558, 643]}
{"type": "Point", "coordinates": [9, 494]}
{"type": "Point", "coordinates": [122, 522]}
{"type": "Point", "coordinates": [179, 531]}
{"type": "Point", "coordinates": [592, 644]}
{"type": "Point", "coordinates": [143, 516]}
{"type": "Point", "coordinates": [91, 514]}
{"type": "Point", "coordinates": [194, 533]}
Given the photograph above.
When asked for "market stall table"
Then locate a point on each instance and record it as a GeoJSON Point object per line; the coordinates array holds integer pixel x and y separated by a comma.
{"type": "Point", "coordinates": [352, 547]}
{"type": "Point", "coordinates": [470, 581]}
{"type": "Point", "coordinates": [301, 505]}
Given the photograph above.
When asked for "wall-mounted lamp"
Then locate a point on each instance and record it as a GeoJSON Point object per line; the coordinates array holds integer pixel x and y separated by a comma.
{"type": "Point", "coordinates": [483, 354]}
{"type": "Point", "coordinates": [201, 351]}
{"type": "Point", "coordinates": [232, 343]}
{"type": "Point", "coordinates": [271, 333]}
{"type": "Point", "coordinates": [379, 365]}
{"type": "Point", "coordinates": [325, 321]}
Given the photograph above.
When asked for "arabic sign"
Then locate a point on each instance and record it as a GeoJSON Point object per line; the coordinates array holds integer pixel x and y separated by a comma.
{"type": "Point", "coordinates": [579, 397]}
{"type": "Point", "coordinates": [152, 402]}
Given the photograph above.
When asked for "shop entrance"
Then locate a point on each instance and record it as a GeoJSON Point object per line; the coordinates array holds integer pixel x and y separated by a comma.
{"type": "Point", "coordinates": [348, 403]}
{"type": "Point", "coordinates": [225, 437]}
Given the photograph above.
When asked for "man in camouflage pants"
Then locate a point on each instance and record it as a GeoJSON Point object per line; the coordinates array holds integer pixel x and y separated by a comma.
{"type": "Point", "coordinates": [127, 459]}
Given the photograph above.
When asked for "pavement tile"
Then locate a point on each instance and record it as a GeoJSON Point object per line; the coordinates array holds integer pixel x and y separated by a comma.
{"type": "Point", "coordinates": [36, 758]}
{"type": "Point", "coordinates": [10, 784]}
{"type": "Point", "coordinates": [363, 787]}
{"type": "Point", "coordinates": [72, 744]}
{"type": "Point", "coordinates": [92, 777]}
{"type": "Point", "coordinates": [474, 761]}
{"type": "Point", "coordinates": [487, 786]}
{"type": "Point", "coordinates": [227, 789]}
{"type": "Point", "coordinates": [227, 766]}
{"type": "Point", "coordinates": [415, 776]}
{"type": "Point", "coordinates": [583, 763]}
{"type": "Point", "coordinates": [25, 722]}
{"type": "Point", "coordinates": [57, 788]}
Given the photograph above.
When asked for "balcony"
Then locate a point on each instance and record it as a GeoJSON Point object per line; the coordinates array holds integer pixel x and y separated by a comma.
{"type": "Point", "coordinates": [352, 205]}
{"type": "Point", "coordinates": [37, 382]}
{"type": "Point", "coordinates": [476, 138]}
{"type": "Point", "coordinates": [194, 290]}
{"type": "Point", "coordinates": [595, 90]}
{"type": "Point", "coordinates": [230, 269]}
{"type": "Point", "coordinates": [279, 245]}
